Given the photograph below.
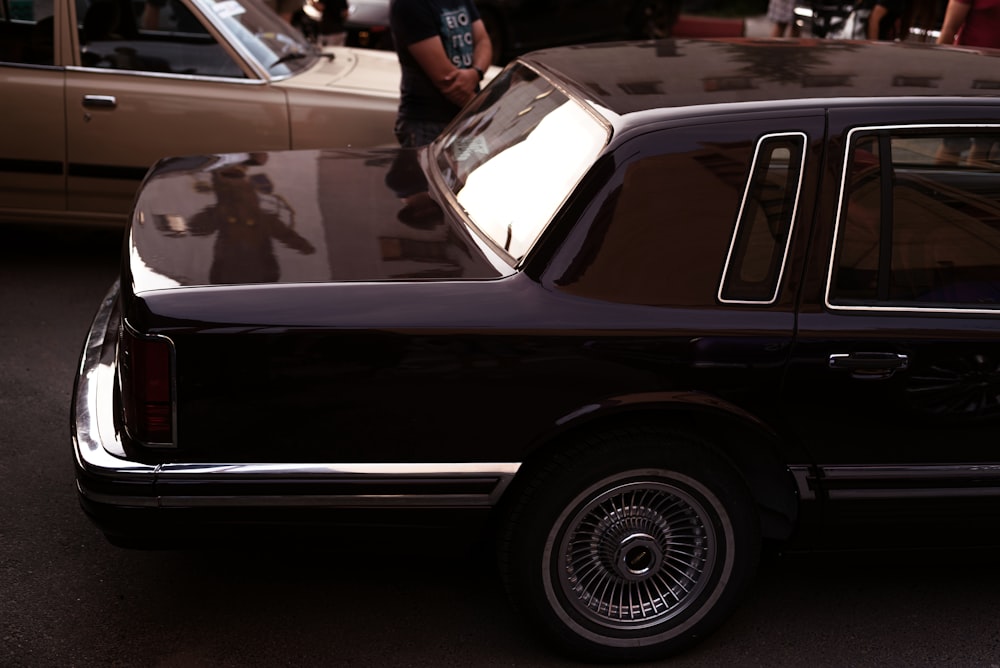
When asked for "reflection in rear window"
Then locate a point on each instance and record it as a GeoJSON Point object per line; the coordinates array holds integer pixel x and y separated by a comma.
{"type": "Point", "coordinates": [515, 155]}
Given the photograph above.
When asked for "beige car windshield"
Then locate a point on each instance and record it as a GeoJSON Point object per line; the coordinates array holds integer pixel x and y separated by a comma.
{"type": "Point", "coordinates": [277, 46]}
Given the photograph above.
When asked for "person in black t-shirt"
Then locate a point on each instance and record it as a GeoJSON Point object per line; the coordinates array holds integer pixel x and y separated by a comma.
{"type": "Point", "coordinates": [443, 51]}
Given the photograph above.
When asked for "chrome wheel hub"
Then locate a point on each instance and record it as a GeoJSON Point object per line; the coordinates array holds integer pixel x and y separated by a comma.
{"type": "Point", "coordinates": [639, 556]}
{"type": "Point", "coordinates": [636, 554]}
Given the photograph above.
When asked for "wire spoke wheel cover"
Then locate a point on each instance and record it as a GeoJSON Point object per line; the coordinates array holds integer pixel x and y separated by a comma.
{"type": "Point", "coordinates": [629, 544]}
{"type": "Point", "coordinates": [637, 551]}
{"type": "Point", "coordinates": [635, 555]}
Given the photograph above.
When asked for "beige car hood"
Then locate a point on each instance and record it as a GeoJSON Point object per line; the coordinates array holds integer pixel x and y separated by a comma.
{"type": "Point", "coordinates": [361, 70]}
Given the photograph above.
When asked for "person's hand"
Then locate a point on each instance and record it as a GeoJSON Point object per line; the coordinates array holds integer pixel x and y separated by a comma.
{"type": "Point", "coordinates": [460, 86]}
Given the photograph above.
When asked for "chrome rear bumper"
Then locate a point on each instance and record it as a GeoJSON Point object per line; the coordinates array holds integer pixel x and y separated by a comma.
{"type": "Point", "coordinates": [111, 484]}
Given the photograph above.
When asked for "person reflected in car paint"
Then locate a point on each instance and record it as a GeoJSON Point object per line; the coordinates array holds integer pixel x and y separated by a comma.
{"type": "Point", "coordinates": [245, 231]}
{"type": "Point", "coordinates": [406, 179]}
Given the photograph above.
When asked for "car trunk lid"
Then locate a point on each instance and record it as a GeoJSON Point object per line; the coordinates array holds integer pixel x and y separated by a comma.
{"type": "Point", "coordinates": [297, 217]}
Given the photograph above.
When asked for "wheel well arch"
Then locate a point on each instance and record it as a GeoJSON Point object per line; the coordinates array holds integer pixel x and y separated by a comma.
{"type": "Point", "coordinates": [750, 446]}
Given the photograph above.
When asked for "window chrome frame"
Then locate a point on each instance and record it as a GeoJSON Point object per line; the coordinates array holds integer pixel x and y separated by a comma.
{"type": "Point", "coordinates": [739, 220]}
{"type": "Point", "coordinates": [842, 191]}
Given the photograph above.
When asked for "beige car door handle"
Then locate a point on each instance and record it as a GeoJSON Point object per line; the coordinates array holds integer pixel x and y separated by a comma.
{"type": "Point", "coordinates": [100, 101]}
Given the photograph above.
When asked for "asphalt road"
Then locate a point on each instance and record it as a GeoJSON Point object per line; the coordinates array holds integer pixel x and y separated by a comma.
{"type": "Point", "coordinates": [68, 598]}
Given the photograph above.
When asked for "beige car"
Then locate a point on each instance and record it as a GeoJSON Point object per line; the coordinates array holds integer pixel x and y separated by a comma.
{"type": "Point", "coordinates": [95, 91]}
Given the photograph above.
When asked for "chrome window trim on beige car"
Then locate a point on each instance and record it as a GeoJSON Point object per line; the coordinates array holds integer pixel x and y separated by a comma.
{"type": "Point", "coordinates": [168, 75]}
{"type": "Point", "coordinates": [224, 37]}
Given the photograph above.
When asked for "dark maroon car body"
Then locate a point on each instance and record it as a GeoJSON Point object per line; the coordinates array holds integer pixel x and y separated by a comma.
{"type": "Point", "coordinates": [338, 333]}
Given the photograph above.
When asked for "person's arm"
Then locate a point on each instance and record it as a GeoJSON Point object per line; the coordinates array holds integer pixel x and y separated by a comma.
{"type": "Point", "coordinates": [482, 55]}
{"type": "Point", "coordinates": [954, 17]}
{"type": "Point", "coordinates": [875, 20]}
{"type": "Point", "coordinates": [457, 84]}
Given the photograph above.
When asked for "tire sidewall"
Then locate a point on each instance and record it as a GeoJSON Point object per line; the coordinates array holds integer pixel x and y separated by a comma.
{"type": "Point", "coordinates": [699, 475]}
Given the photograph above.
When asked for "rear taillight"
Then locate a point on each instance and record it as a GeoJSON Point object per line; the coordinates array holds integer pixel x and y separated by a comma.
{"type": "Point", "coordinates": [146, 375]}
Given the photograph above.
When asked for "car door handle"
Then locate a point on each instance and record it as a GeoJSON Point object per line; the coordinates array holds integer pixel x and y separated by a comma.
{"type": "Point", "coordinates": [100, 101]}
{"type": "Point", "coordinates": [869, 365]}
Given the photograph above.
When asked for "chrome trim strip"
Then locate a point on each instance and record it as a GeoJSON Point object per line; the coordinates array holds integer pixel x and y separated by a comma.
{"type": "Point", "coordinates": [739, 220]}
{"type": "Point", "coordinates": [321, 501]}
{"type": "Point", "coordinates": [840, 206]}
{"type": "Point", "coordinates": [922, 493]}
{"type": "Point", "coordinates": [394, 470]}
{"type": "Point", "coordinates": [169, 75]}
{"type": "Point", "coordinates": [100, 455]}
{"type": "Point", "coordinates": [312, 501]}
{"type": "Point", "coordinates": [989, 471]}
{"type": "Point", "coordinates": [912, 481]}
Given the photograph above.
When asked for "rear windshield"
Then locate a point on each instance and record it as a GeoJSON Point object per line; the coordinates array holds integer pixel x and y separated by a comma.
{"type": "Point", "coordinates": [515, 154]}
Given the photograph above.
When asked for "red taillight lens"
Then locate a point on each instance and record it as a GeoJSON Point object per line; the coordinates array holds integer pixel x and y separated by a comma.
{"type": "Point", "coordinates": [147, 389]}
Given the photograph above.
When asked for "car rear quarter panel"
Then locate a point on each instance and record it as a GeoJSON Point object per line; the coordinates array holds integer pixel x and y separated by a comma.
{"type": "Point", "coordinates": [417, 372]}
{"type": "Point", "coordinates": [488, 370]}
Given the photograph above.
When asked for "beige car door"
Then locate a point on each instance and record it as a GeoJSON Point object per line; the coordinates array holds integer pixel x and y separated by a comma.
{"type": "Point", "coordinates": [140, 94]}
{"type": "Point", "coordinates": [33, 130]}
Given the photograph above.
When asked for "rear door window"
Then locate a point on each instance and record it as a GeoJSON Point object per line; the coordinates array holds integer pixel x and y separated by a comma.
{"type": "Point", "coordinates": [157, 36]}
{"type": "Point", "coordinates": [919, 220]}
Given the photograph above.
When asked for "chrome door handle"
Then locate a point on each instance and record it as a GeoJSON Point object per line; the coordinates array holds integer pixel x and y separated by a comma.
{"type": "Point", "coordinates": [100, 101]}
{"type": "Point", "coordinates": [869, 365]}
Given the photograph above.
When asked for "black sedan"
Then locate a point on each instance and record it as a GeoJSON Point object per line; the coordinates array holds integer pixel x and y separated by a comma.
{"type": "Point", "coordinates": [640, 308]}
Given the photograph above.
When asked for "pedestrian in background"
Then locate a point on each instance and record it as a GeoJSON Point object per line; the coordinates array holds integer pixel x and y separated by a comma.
{"type": "Point", "coordinates": [781, 13]}
{"type": "Point", "coordinates": [971, 23]}
{"type": "Point", "coordinates": [443, 52]}
{"type": "Point", "coordinates": [886, 20]}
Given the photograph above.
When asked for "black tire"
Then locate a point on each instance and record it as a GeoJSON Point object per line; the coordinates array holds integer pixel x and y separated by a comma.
{"type": "Point", "coordinates": [643, 515]}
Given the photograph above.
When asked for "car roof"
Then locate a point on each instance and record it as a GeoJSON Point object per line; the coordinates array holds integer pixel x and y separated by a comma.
{"type": "Point", "coordinates": [625, 77]}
